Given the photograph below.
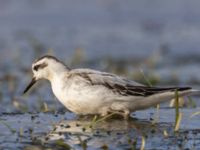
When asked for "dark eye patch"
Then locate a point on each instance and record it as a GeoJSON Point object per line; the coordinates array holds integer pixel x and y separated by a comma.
{"type": "Point", "coordinates": [40, 66]}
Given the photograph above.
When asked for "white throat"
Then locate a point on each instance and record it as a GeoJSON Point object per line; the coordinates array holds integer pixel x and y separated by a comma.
{"type": "Point", "coordinates": [56, 71]}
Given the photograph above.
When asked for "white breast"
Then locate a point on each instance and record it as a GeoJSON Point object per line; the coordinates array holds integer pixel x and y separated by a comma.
{"type": "Point", "coordinates": [78, 97]}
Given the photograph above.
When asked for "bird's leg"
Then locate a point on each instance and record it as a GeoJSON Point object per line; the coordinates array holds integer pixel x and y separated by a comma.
{"type": "Point", "coordinates": [104, 112]}
{"type": "Point", "coordinates": [126, 114]}
{"type": "Point", "coordinates": [120, 112]}
{"type": "Point", "coordinates": [121, 109]}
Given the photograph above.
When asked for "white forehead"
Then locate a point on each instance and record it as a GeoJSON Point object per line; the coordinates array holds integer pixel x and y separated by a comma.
{"type": "Point", "coordinates": [42, 61]}
{"type": "Point", "coordinates": [48, 61]}
{"type": "Point", "coordinates": [37, 62]}
{"type": "Point", "coordinates": [45, 59]}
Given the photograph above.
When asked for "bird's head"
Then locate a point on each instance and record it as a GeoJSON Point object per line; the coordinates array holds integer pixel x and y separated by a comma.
{"type": "Point", "coordinates": [45, 67]}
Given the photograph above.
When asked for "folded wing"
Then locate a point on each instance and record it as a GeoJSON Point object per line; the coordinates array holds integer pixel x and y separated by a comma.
{"type": "Point", "coordinates": [120, 85]}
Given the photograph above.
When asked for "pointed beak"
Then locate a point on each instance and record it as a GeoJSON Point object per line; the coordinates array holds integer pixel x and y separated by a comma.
{"type": "Point", "coordinates": [33, 81]}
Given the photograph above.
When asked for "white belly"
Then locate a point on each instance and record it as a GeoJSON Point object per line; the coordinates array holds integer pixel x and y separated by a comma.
{"type": "Point", "coordinates": [81, 99]}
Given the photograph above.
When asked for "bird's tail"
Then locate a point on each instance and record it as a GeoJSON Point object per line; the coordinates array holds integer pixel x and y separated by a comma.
{"type": "Point", "coordinates": [164, 96]}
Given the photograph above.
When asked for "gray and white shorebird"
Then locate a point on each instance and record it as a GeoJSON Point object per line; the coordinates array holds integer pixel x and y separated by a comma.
{"type": "Point", "coordinates": [87, 91]}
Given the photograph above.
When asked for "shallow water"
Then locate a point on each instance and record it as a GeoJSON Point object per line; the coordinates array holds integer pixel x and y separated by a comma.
{"type": "Point", "coordinates": [47, 130]}
{"type": "Point", "coordinates": [161, 38]}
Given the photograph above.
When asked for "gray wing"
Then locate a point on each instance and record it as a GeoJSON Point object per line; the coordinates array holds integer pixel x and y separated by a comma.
{"type": "Point", "coordinates": [120, 85]}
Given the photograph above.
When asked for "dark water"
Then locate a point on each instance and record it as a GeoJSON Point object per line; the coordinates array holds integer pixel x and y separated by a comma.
{"type": "Point", "coordinates": [161, 38]}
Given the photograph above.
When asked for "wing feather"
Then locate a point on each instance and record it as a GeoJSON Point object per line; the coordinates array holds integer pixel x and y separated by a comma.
{"type": "Point", "coordinates": [120, 85]}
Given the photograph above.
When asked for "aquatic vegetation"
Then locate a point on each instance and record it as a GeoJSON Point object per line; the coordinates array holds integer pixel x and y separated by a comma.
{"type": "Point", "coordinates": [177, 113]}
{"type": "Point", "coordinates": [61, 144]}
{"type": "Point", "coordinates": [12, 130]}
{"type": "Point", "coordinates": [195, 114]}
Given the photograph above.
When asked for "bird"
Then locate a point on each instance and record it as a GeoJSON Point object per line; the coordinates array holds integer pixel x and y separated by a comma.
{"type": "Point", "coordinates": [90, 92]}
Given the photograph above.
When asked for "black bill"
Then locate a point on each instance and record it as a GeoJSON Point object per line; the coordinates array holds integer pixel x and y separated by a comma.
{"type": "Point", "coordinates": [33, 81]}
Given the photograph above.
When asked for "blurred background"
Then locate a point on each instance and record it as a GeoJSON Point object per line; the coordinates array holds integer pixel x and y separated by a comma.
{"type": "Point", "coordinates": [148, 41]}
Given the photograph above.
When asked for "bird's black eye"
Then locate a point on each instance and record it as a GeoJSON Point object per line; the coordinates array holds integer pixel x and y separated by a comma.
{"type": "Point", "coordinates": [36, 67]}
{"type": "Point", "coordinates": [40, 66]}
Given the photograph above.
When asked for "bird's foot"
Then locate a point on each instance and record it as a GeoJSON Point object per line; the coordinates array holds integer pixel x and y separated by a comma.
{"type": "Point", "coordinates": [125, 114]}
